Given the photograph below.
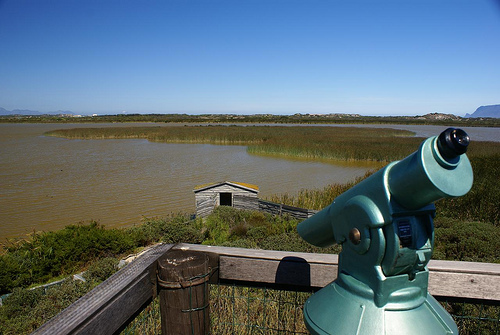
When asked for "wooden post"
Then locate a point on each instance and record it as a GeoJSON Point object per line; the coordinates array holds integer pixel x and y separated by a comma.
{"type": "Point", "coordinates": [184, 293]}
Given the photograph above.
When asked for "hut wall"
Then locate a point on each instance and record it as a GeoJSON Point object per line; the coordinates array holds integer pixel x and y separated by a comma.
{"type": "Point", "coordinates": [205, 204]}
{"type": "Point", "coordinates": [245, 201]}
{"type": "Point", "coordinates": [208, 199]}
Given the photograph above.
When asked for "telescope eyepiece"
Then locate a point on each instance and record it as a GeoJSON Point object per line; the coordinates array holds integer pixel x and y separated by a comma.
{"type": "Point", "coordinates": [452, 143]}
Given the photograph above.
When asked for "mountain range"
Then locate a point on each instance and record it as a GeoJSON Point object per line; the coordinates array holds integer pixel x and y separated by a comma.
{"type": "Point", "coordinates": [4, 111]}
{"type": "Point", "coordinates": [483, 111]}
{"type": "Point", "coordinates": [486, 111]}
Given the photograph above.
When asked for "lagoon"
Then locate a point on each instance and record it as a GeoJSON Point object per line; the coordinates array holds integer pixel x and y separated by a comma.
{"type": "Point", "coordinates": [47, 183]}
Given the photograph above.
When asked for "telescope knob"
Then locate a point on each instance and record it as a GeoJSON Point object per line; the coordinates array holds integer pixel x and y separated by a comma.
{"type": "Point", "coordinates": [452, 143]}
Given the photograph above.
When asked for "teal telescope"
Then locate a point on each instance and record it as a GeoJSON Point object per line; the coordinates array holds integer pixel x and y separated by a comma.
{"type": "Point", "coordinates": [385, 227]}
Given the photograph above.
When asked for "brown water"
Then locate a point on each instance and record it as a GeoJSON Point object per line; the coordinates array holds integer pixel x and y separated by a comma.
{"type": "Point", "coordinates": [47, 183]}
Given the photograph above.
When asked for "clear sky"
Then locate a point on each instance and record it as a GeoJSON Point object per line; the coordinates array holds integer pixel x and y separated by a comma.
{"type": "Point", "coordinates": [400, 57]}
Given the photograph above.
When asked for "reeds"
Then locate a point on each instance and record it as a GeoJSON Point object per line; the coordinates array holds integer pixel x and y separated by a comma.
{"type": "Point", "coordinates": [327, 143]}
{"type": "Point", "coordinates": [316, 143]}
{"type": "Point", "coordinates": [239, 310]}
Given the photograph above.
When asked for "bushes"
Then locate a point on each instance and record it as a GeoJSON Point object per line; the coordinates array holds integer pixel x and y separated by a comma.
{"type": "Point", "coordinates": [52, 254]}
{"type": "Point", "coordinates": [26, 310]}
{"type": "Point", "coordinates": [467, 241]}
{"type": "Point", "coordinates": [177, 228]}
{"type": "Point", "coordinates": [226, 225]}
{"type": "Point", "coordinates": [102, 269]}
{"type": "Point", "coordinates": [252, 229]}
{"type": "Point", "coordinates": [482, 202]}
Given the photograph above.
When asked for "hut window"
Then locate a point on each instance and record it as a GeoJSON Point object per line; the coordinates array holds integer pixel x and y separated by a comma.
{"type": "Point", "coordinates": [226, 199]}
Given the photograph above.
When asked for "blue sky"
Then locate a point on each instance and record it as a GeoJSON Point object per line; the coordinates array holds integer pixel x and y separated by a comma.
{"type": "Point", "coordinates": [400, 57]}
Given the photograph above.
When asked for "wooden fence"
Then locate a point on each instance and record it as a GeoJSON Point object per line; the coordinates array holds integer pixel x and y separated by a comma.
{"type": "Point", "coordinates": [280, 209]}
{"type": "Point", "coordinates": [112, 305]}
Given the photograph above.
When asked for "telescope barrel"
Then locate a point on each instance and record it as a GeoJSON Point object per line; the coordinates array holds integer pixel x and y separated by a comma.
{"type": "Point", "coordinates": [439, 169]}
{"type": "Point", "coordinates": [318, 230]}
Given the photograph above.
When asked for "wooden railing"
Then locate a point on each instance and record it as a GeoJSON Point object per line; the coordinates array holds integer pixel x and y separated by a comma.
{"type": "Point", "coordinates": [112, 305]}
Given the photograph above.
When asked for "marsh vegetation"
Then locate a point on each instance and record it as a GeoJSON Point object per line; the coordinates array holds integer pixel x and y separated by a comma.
{"type": "Point", "coordinates": [309, 142]}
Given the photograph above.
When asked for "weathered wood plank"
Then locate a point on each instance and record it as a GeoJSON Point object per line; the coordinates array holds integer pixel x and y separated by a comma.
{"type": "Point", "coordinates": [280, 209]}
{"type": "Point", "coordinates": [259, 253]}
{"type": "Point", "coordinates": [289, 271]}
{"type": "Point", "coordinates": [470, 280]}
{"type": "Point", "coordinates": [109, 306]}
{"type": "Point", "coordinates": [465, 285]}
{"type": "Point", "coordinates": [464, 267]}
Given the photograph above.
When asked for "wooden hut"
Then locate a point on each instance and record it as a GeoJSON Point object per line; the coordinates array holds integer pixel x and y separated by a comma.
{"type": "Point", "coordinates": [226, 193]}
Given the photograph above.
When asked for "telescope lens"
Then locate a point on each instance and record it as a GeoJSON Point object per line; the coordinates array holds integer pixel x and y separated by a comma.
{"type": "Point", "coordinates": [461, 138]}
{"type": "Point", "coordinates": [453, 142]}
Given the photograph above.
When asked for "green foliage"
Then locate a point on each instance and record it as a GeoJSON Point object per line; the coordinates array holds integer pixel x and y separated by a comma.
{"type": "Point", "coordinates": [482, 202]}
{"type": "Point", "coordinates": [253, 229]}
{"type": "Point", "coordinates": [174, 229]}
{"type": "Point", "coordinates": [51, 254]}
{"type": "Point", "coordinates": [25, 310]}
{"type": "Point", "coordinates": [227, 225]}
{"type": "Point", "coordinates": [101, 269]}
{"type": "Point", "coordinates": [467, 241]}
{"type": "Point", "coordinates": [291, 241]}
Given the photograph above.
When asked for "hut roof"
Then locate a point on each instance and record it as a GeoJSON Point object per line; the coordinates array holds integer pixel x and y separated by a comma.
{"type": "Point", "coordinates": [246, 186]}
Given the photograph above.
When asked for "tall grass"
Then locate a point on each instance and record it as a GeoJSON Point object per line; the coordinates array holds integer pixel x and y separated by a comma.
{"type": "Point", "coordinates": [330, 143]}
{"type": "Point", "coordinates": [325, 143]}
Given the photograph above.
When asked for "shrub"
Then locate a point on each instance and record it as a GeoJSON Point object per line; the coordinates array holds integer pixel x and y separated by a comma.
{"type": "Point", "coordinates": [51, 254]}
{"type": "Point", "coordinates": [102, 269]}
{"type": "Point", "coordinates": [177, 232]}
{"type": "Point", "coordinates": [467, 241]}
{"type": "Point", "coordinates": [25, 310]}
{"type": "Point", "coordinates": [482, 201]}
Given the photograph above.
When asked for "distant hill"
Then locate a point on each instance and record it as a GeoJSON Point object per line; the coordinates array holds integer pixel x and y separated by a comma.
{"type": "Point", "coordinates": [486, 111]}
{"type": "Point", "coordinates": [4, 111]}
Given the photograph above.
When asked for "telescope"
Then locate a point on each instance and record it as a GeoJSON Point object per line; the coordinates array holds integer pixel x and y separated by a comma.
{"type": "Point", "coordinates": [385, 226]}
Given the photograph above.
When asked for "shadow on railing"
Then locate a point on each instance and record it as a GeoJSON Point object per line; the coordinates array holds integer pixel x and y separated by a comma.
{"type": "Point", "coordinates": [258, 290]}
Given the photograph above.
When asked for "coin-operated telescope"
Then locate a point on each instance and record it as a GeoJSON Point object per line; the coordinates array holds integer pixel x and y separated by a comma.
{"type": "Point", "coordinates": [385, 227]}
